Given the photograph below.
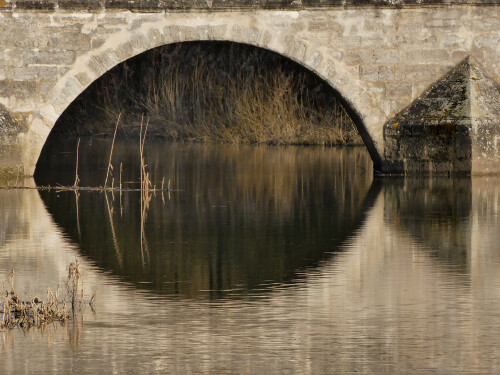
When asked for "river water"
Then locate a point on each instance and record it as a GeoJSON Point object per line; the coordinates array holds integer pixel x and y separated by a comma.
{"type": "Point", "coordinates": [259, 260]}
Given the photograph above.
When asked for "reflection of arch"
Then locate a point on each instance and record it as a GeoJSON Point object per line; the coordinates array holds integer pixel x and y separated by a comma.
{"type": "Point", "coordinates": [149, 31]}
{"type": "Point", "coordinates": [245, 244]}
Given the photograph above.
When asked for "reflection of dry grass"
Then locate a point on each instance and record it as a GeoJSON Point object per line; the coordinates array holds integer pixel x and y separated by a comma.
{"type": "Point", "coordinates": [77, 208]}
{"type": "Point", "coordinates": [267, 175]}
{"type": "Point", "coordinates": [74, 332]}
{"type": "Point", "coordinates": [145, 200]}
{"type": "Point", "coordinates": [145, 194]}
{"type": "Point", "coordinates": [113, 232]}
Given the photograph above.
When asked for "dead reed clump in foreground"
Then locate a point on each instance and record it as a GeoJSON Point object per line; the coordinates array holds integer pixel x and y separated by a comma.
{"type": "Point", "coordinates": [36, 312]}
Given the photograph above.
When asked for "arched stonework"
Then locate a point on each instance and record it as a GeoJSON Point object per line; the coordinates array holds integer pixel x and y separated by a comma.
{"type": "Point", "coordinates": [379, 59]}
{"type": "Point", "coordinates": [144, 32]}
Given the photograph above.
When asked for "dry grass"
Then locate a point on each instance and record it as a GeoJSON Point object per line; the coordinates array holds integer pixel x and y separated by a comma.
{"type": "Point", "coordinates": [37, 312]}
{"type": "Point", "coordinates": [221, 93]}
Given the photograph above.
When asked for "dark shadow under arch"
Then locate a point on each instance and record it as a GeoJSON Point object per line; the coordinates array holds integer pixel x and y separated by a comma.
{"type": "Point", "coordinates": [85, 104]}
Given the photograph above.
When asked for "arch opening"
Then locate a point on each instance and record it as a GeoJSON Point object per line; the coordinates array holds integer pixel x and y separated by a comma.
{"type": "Point", "coordinates": [212, 91]}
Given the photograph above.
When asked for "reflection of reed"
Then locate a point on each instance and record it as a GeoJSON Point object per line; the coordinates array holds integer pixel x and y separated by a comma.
{"type": "Point", "coordinates": [145, 199]}
{"type": "Point", "coordinates": [113, 232]}
{"type": "Point", "coordinates": [74, 330]}
{"type": "Point", "coordinates": [145, 194]}
{"type": "Point", "coordinates": [77, 196]}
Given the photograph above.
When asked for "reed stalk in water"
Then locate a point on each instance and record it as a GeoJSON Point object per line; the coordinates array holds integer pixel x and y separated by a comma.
{"type": "Point", "coordinates": [110, 166]}
{"type": "Point", "coordinates": [77, 179]}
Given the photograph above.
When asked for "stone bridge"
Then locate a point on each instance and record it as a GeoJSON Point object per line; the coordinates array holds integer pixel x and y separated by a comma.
{"type": "Point", "coordinates": [420, 78]}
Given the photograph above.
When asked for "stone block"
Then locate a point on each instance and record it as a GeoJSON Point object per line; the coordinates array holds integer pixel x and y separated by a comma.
{"type": "Point", "coordinates": [252, 35]}
{"type": "Point", "coordinates": [398, 90]}
{"type": "Point", "coordinates": [18, 89]}
{"type": "Point", "coordinates": [101, 63]}
{"type": "Point", "coordinates": [34, 73]}
{"type": "Point", "coordinates": [137, 23]}
{"type": "Point", "coordinates": [138, 41]}
{"type": "Point", "coordinates": [371, 56]}
{"type": "Point", "coordinates": [71, 41]}
{"type": "Point", "coordinates": [418, 56]}
{"type": "Point", "coordinates": [423, 72]}
{"type": "Point", "coordinates": [97, 41]}
{"type": "Point", "coordinates": [403, 41]}
{"type": "Point", "coordinates": [45, 88]}
{"type": "Point", "coordinates": [49, 58]}
{"type": "Point", "coordinates": [172, 33]}
{"type": "Point", "coordinates": [489, 41]}
{"type": "Point", "coordinates": [295, 48]}
{"type": "Point", "coordinates": [124, 51]}
{"type": "Point", "coordinates": [314, 59]}
{"type": "Point", "coordinates": [376, 73]}
{"type": "Point", "coordinates": [326, 26]}
{"type": "Point", "coordinates": [84, 79]}
{"type": "Point", "coordinates": [13, 57]}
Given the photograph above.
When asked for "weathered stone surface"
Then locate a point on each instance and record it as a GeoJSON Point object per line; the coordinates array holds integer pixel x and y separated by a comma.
{"type": "Point", "coordinates": [49, 57]}
{"type": "Point", "coordinates": [11, 162]}
{"type": "Point", "coordinates": [158, 5]}
{"type": "Point", "coordinates": [453, 128]}
{"type": "Point", "coordinates": [379, 55]}
{"type": "Point", "coordinates": [376, 73]}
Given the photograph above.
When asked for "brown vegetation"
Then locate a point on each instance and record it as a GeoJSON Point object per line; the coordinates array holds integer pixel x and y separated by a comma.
{"type": "Point", "coordinates": [36, 312]}
{"type": "Point", "coordinates": [216, 92]}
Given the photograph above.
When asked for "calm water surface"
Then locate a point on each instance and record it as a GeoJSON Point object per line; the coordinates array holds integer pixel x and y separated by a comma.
{"type": "Point", "coordinates": [261, 260]}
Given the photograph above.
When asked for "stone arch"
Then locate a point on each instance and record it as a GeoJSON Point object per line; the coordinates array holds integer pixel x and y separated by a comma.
{"type": "Point", "coordinates": [143, 32]}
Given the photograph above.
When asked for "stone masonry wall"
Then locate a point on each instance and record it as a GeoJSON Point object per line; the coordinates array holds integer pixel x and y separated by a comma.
{"type": "Point", "coordinates": [379, 59]}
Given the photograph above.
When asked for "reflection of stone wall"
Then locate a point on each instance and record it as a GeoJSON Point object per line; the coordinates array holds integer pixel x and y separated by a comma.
{"type": "Point", "coordinates": [485, 234]}
{"type": "Point", "coordinates": [30, 243]}
{"type": "Point", "coordinates": [435, 212]}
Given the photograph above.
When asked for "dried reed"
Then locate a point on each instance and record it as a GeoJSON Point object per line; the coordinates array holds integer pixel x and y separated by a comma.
{"type": "Point", "coordinates": [216, 92]}
{"type": "Point", "coordinates": [110, 166]}
{"type": "Point", "coordinates": [77, 179]}
{"type": "Point", "coordinates": [36, 312]}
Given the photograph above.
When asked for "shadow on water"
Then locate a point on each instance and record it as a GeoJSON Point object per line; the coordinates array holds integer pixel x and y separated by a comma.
{"type": "Point", "coordinates": [435, 212]}
{"type": "Point", "coordinates": [240, 218]}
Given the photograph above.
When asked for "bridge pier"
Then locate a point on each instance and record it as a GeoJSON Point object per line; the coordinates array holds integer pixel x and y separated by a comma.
{"type": "Point", "coordinates": [453, 128]}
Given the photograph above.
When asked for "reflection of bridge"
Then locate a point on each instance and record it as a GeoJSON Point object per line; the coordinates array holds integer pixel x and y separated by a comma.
{"type": "Point", "coordinates": [278, 213]}
{"type": "Point", "coordinates": [381, 302]}
{"type": "Point", "coordinates": [380, 58]}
